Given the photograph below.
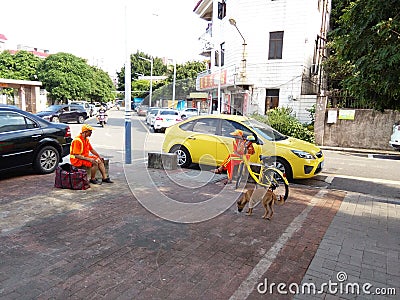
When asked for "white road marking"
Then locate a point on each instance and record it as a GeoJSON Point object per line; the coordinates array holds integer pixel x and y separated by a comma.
{"type": "Point", "coordinates": [375, 180]}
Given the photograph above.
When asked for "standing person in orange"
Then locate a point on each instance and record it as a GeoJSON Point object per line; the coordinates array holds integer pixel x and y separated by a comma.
{"type": "Point", "coordinates": [80, 156]}
{"type": "Point", "coordinates": [234, 158]}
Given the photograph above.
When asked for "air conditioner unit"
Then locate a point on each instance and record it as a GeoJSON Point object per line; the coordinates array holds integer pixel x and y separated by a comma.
{"type": "Point", "coordinates": [314, 69]}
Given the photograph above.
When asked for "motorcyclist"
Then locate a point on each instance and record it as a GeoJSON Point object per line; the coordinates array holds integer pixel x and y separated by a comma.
{"type": "Point", "coordinates": [102, 112]}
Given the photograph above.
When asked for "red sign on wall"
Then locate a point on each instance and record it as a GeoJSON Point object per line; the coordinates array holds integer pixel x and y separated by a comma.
{"type": "Point", "coordinates": [211, 80]}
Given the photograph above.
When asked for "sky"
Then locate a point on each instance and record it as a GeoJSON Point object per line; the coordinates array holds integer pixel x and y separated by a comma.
{"type": "Point", "coordinates": [96, 29]}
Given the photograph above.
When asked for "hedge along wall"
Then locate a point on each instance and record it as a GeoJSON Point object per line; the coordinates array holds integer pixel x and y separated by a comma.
{"type": "Point", "coordinates": [370, 129]}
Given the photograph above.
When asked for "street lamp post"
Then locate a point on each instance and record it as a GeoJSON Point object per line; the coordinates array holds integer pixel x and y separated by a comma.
{"type": "Point", "coordinates": [219, 81]}
{"type": "Point", "coordinates": [151, 77]}
{"type": "Point", "coordinates": [173, 86]}
{"type": "Point", "coordinates": [128, 96]}
{"type": "Point", "coordinates": [243, 73]}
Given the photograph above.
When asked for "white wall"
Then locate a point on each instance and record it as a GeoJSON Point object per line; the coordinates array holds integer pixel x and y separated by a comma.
{"type": "Point", "coordinates": [301, 23]}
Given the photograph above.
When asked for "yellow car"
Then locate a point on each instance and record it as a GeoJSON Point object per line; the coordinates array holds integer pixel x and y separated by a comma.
{"type": "Point", "coordinates": [207, 140]}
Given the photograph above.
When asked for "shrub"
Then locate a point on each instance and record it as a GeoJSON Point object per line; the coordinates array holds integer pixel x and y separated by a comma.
{"type": "Point", "coordinates": [281, 119]}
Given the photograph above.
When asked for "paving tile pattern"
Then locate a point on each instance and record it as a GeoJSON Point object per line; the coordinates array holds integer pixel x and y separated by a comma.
{"type": "Point", "coordinates": [360, 247]}
{"type": "Point", "coordinates": [101, 243]}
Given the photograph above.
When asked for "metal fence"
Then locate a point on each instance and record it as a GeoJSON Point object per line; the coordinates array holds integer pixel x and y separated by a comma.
{"type": "Point", "coordinates": [341, 99]}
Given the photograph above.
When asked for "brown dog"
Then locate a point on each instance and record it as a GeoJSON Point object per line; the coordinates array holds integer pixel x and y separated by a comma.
{"type": "Point", "coordinates": [268, 199]}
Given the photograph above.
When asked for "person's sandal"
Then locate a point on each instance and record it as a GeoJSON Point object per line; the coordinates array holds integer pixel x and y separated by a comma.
{"type": "Point", "coordinates": [107, 180]}
{"type": "Point", "coordinates": [95, 181]}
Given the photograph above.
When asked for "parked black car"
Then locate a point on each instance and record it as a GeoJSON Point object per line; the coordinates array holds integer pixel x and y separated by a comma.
{"type": "Point", "coordinates": [28, 140]}
{"type": "Point", "coordinates": [64, 113]}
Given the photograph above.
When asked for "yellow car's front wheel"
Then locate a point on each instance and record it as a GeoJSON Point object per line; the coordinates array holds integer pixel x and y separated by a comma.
{"type": "Point", "coordinates": [183, 156]}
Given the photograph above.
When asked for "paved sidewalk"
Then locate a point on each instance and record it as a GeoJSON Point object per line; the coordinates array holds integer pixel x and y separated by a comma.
{"type": "Point", "coordinates": [190, 242]}
{"type": "Point", "coordinates": [360, 250]}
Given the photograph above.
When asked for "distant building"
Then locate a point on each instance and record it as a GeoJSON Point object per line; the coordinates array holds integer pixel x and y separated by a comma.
{"type": "Point", "coordinates": [263, 54]}
{"type": "Point", "coordinates": [42, 53]}
{"type": "Point", "coordinates": [3, 40]}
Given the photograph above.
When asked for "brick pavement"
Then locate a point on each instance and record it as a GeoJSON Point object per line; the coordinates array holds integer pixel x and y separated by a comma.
{"type": "Point", "coordinates": [361, 247]}
{"type": "Point", "coordinates": [102, 243]}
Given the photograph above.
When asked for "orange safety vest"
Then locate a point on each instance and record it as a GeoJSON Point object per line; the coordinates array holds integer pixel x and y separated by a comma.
{"type": "Point", "coordinates": [80, 146]}
{"type": "Point", "coordinates": [238, 146]}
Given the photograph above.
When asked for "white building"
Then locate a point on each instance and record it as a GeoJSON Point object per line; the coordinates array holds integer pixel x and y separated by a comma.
{"type": "Point", "coordinates": [270, 53]}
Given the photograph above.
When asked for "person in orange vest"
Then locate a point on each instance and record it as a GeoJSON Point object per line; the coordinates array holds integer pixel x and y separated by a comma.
{"type": "Point", "coordinates": [80, 156]}
{"type": "Point", "coordinates": [233, 159]}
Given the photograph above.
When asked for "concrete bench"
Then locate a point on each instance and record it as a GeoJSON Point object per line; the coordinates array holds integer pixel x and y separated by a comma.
{"type": "Point", "coordinates": [166, 161]}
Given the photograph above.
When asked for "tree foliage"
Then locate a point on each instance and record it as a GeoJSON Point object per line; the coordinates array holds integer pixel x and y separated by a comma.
{"type": "Point", "coordinates": [162, 89]}
{"type": "Point", "coordinates": [140, 66]}
{"type": "Point", "coordinates": [283, 120]}
{"type": "Point", "coordinates": [185, 81]}
{"type": "Point", "coordinates": [365, 57]}
{"type": "Point", "coordinates": [68, 77]}
{"type": "Point", "coordinates": [102, 87]}
{"type": "Point", "coordinates": [20, 66]}
{"type": "Point", "coordinates": [65, 77]}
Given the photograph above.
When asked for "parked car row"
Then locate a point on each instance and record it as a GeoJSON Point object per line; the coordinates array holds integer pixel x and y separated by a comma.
{"type": "Point", "coordinates": [161, 118]}
{"type": "Point", "coordinates": [64, 113]}
{"type": "Point", "coordinates": [29, 140]}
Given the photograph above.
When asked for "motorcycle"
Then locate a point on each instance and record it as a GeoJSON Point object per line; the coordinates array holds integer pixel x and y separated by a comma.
{"type": "Point", "coordinates": [102, 119]}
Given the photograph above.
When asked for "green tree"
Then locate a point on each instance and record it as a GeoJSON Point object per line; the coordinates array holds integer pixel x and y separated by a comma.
{"type": "Point", "coordinates": [21, 65]}
{"type": "Point", "coordinates": [6, 65]}
{"type": "Point", "coordinates": [162, 89]}
{"type": "Point", "coordinates": [66, 77]}
{"type": "Point", "coordinates": [140, 66]}
{"type": "Point", "coordinates": [186, 75]}
{"type": "Point", "coordinates": [102, 87]}
{"type": "Point", "coordinates": [366, 51]}
{"type": "Point", "coordinates": [140, 88]}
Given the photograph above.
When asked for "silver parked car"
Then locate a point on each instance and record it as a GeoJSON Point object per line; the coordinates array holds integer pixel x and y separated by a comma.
{"type": "Point", "coordinates": [151, 115]}
{"type": "Point", "coordinates": [189, 112]}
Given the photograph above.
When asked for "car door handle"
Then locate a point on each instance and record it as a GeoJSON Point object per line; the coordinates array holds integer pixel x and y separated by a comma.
{"type": "Point", "coordinates": [36, 136]}
{"type": "Point", "coordinates": [191, 138]}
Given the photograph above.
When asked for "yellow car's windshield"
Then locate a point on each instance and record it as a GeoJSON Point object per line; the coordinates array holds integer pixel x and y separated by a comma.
{"type": "Point", "coordinates": [267, 132]}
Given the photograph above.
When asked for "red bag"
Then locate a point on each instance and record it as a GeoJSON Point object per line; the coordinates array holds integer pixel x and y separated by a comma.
{"type": "Point", "coordinates": [70, 177]}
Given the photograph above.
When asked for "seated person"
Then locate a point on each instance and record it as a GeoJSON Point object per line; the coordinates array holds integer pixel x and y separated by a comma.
{"type": "Point", "coordinates": [80, 156]}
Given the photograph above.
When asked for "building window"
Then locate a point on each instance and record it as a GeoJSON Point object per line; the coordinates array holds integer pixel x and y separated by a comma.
{"type": "Point", "coordinates": [275, 45]}
{"type": "Point", "coordinates": [271, 99]}
{"type": "Point", "coordinates": [221, 10]}
{"type": "Point", "coordinates": [222, 54]}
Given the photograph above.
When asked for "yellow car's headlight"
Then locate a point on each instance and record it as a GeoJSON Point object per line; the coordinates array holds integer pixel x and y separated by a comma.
{"type": "Point", "coordinates": [303, 154]}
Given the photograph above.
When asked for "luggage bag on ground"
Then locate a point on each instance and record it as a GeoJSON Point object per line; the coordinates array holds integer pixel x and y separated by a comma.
{"type": "Point", "coordinates": [70, 177]}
